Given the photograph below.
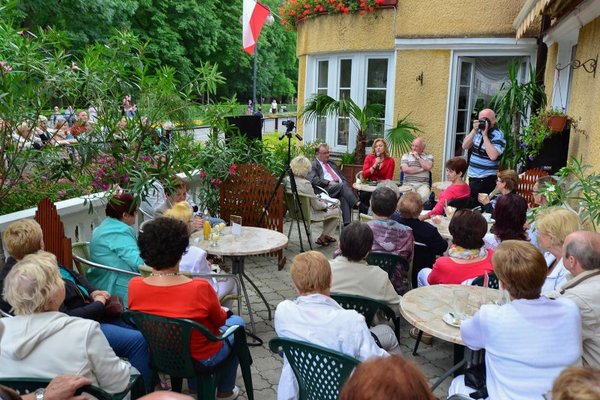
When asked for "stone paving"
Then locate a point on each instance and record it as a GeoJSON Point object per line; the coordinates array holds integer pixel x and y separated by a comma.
{"type": "Point", "coordinates": [276, 286]}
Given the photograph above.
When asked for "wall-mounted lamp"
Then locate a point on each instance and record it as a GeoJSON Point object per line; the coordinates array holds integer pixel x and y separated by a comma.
{"type": "Point", "coordinates": [420, 78]}
{"type": "Point", "coordinates": [588, 65]}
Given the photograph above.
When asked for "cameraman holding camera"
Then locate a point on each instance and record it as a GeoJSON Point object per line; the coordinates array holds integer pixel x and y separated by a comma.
{"type": "Point", "coordinates": [486, 144]}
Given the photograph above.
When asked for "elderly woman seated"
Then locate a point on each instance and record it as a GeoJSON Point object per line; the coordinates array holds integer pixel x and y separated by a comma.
{"type": "Point", "coordinates": [300, 168]}
{"type": "Point", "coordinates": [553, 226]}
{"type": "Point", "coordinates": [194, 259]}
{"type": "Point", "coordinates": [390, 236]}
{"type": "Point", "coordinates": [82, 300]}
{"type": "Point", "coordinates": [506, 183]}
{"type": "Point", "coordinates": [114, 244]}
{"type": "Point", "coordinates": [316, 318]}
{"type": "Point", "coordinates": [529, 340]}
{"type": "Point", "coordinates": [42, 342]}
{"type": "Point", "coordinates": [510, 218]}
{"type": "Point", "coordinates": [432, 244]}
{"type": "Point", "coordinates": [467, 257]}
{"type": "Point", "coordinates": [166, 292]}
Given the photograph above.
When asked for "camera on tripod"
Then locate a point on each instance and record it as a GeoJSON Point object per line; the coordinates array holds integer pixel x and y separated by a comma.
{"type": "Point", "coordinates": [289, 124]}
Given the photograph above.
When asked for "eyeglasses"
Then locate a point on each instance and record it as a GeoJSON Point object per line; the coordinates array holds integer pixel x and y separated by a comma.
{"type": "Point", "coordinates": [499, 180]}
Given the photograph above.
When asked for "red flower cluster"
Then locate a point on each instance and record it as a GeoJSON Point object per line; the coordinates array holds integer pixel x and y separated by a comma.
{"type": "Point", "coordinates": [293, 11]}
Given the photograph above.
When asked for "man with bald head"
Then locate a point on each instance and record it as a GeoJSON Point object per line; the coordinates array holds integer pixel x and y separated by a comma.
{"type": "Point", "coordinates": [581, 256]}
{"type": "Point", "coordinates": [486, 144]}
{"type": "Point", "coordinates": [416, 166]}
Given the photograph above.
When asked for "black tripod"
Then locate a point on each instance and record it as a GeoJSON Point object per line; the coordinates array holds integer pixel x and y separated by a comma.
{"type": "Point", "coordinates": [296, 199]}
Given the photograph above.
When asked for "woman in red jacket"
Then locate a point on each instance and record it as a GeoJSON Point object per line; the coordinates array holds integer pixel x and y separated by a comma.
{"type": "Point", "coordinates": [378, 166]}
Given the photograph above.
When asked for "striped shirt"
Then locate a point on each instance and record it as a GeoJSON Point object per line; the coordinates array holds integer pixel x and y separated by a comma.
{"type": "Point", "coordinates": [410, 160]}
{"type": "Point", "coordinates": [480, 164]}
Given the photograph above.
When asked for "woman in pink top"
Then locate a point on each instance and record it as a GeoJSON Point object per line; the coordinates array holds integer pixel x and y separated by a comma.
{"type": "Point", "coordinates": [467, 257]}
{"type": "Point", "coordinates": [455, 171]}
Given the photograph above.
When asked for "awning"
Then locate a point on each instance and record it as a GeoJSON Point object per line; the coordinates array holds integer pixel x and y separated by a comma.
{"type": "Point", "coordinates": [531, 11]}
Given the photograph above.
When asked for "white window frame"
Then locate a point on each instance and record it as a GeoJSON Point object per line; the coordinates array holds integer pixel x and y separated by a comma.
{"type": "Point", "coordinates": [358, 91]}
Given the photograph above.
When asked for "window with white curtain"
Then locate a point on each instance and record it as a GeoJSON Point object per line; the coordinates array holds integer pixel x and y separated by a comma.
{"type": "Point", "coordinates": [363, 77]}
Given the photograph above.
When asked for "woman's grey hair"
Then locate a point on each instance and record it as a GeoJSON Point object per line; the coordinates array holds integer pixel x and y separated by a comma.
{"type": "Point", "coordinates": [300, 166]}
{"type": "Point", "coordinates": [32, 282]}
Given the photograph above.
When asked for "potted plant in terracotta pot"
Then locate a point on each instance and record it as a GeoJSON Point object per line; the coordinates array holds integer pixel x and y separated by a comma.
{"type": "Point", "coordinates": [556, 119]}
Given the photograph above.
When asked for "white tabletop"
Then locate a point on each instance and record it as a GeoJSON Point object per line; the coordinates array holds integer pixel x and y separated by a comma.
{"type": "Point", "coordinates": [371, 187]}
{"type": "Point", "coordinates": [443, 224]}
{"type": "Point", "coordinates": [252, 241]}
{"type": "Point", "coordinates": [424, 307]}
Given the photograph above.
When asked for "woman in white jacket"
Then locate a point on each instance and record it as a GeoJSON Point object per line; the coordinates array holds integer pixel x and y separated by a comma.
{"type": "Point", "coordinates": [41, 342]}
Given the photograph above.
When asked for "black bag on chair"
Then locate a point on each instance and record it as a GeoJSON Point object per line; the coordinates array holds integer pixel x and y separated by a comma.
{"type": "Point", "coordinates": [475, 373]}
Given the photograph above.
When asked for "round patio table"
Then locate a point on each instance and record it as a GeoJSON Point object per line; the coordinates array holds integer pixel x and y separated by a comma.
{"type": "Point", "coordinates": [252, 241]}
{"type": "Point", "coordinates": [362, 187]}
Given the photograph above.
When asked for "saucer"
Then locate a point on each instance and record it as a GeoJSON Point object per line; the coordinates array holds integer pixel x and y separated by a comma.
{"type": "Point", "coordinates": [450, 320]}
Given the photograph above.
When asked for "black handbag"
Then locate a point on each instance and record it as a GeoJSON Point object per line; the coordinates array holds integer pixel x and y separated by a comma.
{"type": "Point", "coordinates": [475, 373]}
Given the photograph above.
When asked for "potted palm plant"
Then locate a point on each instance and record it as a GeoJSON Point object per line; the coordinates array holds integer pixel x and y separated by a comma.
{"type": "Point", "coordinates": [322, 105]}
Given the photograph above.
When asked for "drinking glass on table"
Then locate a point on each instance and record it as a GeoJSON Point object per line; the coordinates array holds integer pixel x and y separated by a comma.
{"type": "Point", "coordinates": [460, 299]}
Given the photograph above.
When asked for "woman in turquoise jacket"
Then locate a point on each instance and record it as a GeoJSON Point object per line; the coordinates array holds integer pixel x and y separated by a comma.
{"type": "Point", "coordinates": [114, 244]}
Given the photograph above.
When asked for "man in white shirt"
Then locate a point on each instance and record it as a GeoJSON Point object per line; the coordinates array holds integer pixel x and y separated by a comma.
{"type": "Point", "coordinates": [316, 318]}
{"type": "Point", "coordinates": [416, 166]}
{"type": "Point", "coordinates": [325, 174]}
{"type": "Point", "coordinates": [581, 256]}
{"type": "Point", "coordinates": [529, 340]}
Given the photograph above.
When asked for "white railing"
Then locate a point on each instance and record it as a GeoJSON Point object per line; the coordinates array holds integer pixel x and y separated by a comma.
{"type": "Point", "coordinates": [81, 215]}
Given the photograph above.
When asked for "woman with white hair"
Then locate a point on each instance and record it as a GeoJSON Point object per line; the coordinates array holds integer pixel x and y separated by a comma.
{"type": "Point", "coordinates": [41, 342]}
{"type": "Point", "coordinates": [300, 168]}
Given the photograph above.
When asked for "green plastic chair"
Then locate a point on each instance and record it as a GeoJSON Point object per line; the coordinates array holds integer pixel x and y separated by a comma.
{"type": "Point", "coordinates": [368, 308]}
{"type": "Point", "coordinates": [29, 385]}
{"type": "Point", "coordinates": [493, 281]}
{"type": "Point", "coordinates": [169, 341]}
{"type": "Point", "coordinates": [388, 262]}
{"type": "Point", "coordinates": [320, 372]}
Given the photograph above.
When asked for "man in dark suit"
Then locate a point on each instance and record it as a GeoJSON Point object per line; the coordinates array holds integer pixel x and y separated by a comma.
{"type": "Point", "coordinates": [325, 174]}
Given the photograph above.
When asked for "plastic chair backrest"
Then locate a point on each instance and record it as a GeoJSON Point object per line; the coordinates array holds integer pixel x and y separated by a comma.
{"type": "Point", "coordinates": [367, 307]}
{"type": "Point", "coordinates": [29, 385]}
{"type": "Point", "coordinates": [465, 202]}
{"type": "Point", "coordinates": [364, 217]}
{"type": "Point", "coordinates": [388, 262]}
{"type": "Point", "coordinates": [493, 281]}
{"type": "Point", "coordinates": [320, 372]}
{"type": "Point", "coordinates": [81, 257]}
{"type": "Point", "coordinates": [169, 342]}
{"type": "Point", "coordinates": [288, 199]}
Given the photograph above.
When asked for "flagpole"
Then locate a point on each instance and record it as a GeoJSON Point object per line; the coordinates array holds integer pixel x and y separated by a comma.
{"type": "Point", "coordinates": [254, 80]}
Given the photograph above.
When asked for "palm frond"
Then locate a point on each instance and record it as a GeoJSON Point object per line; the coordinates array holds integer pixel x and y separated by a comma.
{"type": "Point", "coordinates": [399, 138]}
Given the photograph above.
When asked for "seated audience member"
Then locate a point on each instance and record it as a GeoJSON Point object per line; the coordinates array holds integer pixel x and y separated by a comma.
{"type": "Point", "coordinates": [378, 166]}
{"type": "Point", "coordinates": [387, 378]}
{"type": "Point", "coordinates": [41, 342]}
{"type": "Point", "coordinates": [300, 166]}
{"type": "Point", "coordinates": [582, 259]}
{"type": "Point", "coordinates": [352, 275]}
{"type": "Point", "coordinates": [166, 292]}
{"type": "Point", "coordinates": [553, 226]}
{"type": "Point", "coordinates": [81, 299]}
{"type": "Point", "coordinates": [455, 172]}
{"type": "Point", "coordinates": [510, 217]}
{"type": "Point", "coordinates": [506, 183]}
{"type": "Point", "coordinates": [80, 126]}
{"type": "Point", "coordinates": [467, 257]}
{"type": "Point", "coordinates": [194, 259]}
{"type": "Point", "coordinates": [174, 194]}
{"type": "Point", "coordinates": [62, 136]}
{"type": "Point", "coordinates": [62, 387]}
{"type": "Point", "coordinates": [540, 200]}
{"type": "Point", "coordinates": [41, 130]}
{"type": "Point", "coordinates": [114, 244]}
{"type": "Point", "coordinates": [325, 174]}
{"type": "Point", "coordinates": [316, 318]}
{"type": "Point", "coordinates": [410, 206]}
{"type": "Point", "coordinates": [390, 236]}
{"type": "Point", "coordinates": [416, 166]}
{"type": "Point", "coordinates": [529, 340]}
{"type": "Point", "coordinates": [577, 383]}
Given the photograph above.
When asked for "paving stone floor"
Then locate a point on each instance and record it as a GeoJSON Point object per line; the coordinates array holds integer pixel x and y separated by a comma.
{"type": "Point", "coordinates": [276, 286]}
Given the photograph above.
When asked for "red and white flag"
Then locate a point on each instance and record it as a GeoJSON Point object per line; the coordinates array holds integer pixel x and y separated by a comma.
{"type": "Point", "coordinates": [253, 19]}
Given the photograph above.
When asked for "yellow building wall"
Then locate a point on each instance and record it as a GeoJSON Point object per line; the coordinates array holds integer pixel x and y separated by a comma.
{"type": "Point", "coordinates": [349, 33]}
{"type": "Point", "coordinates": [426, 103]}
{"type": "Point", "coordinates": [585, 99]}
{"type": "Point", "coordinates": [452, 18]}
{"type": "Point", "coordinates": [549, 74]}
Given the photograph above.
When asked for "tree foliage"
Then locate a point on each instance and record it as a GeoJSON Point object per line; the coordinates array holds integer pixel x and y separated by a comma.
{"type": "Point", "coordinates": [178, 33]}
